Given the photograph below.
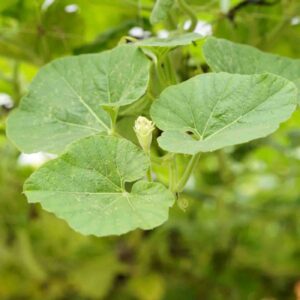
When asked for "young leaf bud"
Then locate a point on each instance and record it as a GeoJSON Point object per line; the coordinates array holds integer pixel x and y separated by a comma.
{"type": "Point", "coordinates": [143, 129]}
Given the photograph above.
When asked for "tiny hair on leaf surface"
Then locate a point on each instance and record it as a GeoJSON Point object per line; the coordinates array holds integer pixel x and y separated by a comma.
{"type": "Point", "coordinates": [226, 56]}
{"type": "Point", "coordinates": [215, 110]}
{"type": "Point", "coordinates": [65, 98]}
{"type": "Point", "coordinates": [86, 187]}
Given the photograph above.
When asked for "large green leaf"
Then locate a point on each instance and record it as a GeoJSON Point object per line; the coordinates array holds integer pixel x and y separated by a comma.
{"type": "Point", "coordinates": [86, 187]}
{"type": "Point", "coordinates": [211, 111]}
{"type": "Point", "coordinates": [225, 56]}
{"type": "Point", "coordinates": [160, 11]}
{"type": "Point", "coordinates": [64, 100]}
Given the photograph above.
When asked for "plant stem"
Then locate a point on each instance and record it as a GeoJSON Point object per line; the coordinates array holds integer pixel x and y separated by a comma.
{"type": "Point", "coordinates": [171, 71]}
{"type": "Point", "coordinates": [162, 159]}
{"type": "Point", "coordinates": [187, 173]}
{"type": "Point", "coordinates": [149, 176]}
{"type": "Point", "coordinates": [161, 76]}
{"type": "Point", "coordinates": [113, 112]}
{"type": "Point", "coordinates": [172, 174]}
{"type": "Point", "coordinates": [149, 171]}
{"type": "Point", "coordinates": [186, 8]}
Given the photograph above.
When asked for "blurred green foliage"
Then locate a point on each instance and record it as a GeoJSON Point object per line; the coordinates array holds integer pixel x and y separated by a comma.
{"type": "Point", "coordinates": [235, 232]}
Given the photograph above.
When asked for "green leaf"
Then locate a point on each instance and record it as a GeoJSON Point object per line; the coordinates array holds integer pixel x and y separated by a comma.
{"type": "Point", "coordinates": [64, 100]}
{"type": "Point", "coordinates": [225, 56]}
{"type": "Point", "coordinates": [212, 111]}
{"type": "Point", "coordinates": [170, 42]}
{"type": "Point", "coordinates": [86, 187]}
{"type": "Point", "coordinates": [161, 46]}
{"type": "Point", "coordinates": [161, 10]}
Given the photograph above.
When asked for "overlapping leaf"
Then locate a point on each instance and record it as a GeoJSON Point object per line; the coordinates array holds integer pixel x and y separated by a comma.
{"type": "Point", "coordinates": [225, 56]}
{"type": "Point", "coordinates": [64, 100]}
{"type": "Point", "coordinates": [172, 41]}
{"type": "Point", "coordinates": [86, 187]}
{"type": "Point", "coordinates": [161, 46]}
{"type": "Point", "coordinates": [212, 111]}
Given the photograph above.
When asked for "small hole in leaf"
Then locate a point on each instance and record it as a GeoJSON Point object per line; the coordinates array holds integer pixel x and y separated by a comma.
{"type": "Point", "coordinates": [128, 186]}
{"type": "Point", "coordinates": [194, 135]}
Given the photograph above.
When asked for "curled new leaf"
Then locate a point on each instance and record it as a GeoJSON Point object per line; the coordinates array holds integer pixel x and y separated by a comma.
{"type": "Point", "coordinates": [215, 110]}
{"type": "Point", "coordinates": [95, 187]}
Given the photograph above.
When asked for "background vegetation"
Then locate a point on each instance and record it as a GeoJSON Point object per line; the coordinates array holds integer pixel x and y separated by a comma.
{"type": "Point", "coordinates": [235, 234]}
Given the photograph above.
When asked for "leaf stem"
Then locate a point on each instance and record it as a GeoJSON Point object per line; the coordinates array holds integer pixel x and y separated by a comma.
{"type": "Point", "coordinates": [172, 174]}
{"type": "Point", "coordinates": [187, 173]}
{"type": "Point", "coordinates": [149, 176]}
{"type": "Point", "coordinates": [161, 76]}
{"type": "Point", "coordinates": [149, 171]}
{"type": "Point", "coordinates": [162, 159]}
{"type": "Point", "coordinates": [171, 71]}
{"type": "Point", "coordinates": [113, 112]}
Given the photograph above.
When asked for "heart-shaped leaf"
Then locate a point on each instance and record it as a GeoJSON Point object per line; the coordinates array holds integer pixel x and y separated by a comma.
{"type": "Point", "coordinates": [86, 187]}
{"type": "Point", "coordinates": [225, 56]}
{"type": "Point", "coordinates": [64, 100]}
{"type": "Point", "coordinates": [215, 110]}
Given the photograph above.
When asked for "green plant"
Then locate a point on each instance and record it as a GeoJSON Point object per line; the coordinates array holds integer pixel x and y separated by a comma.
{"type": "Point", "coordinates": [80, 107]}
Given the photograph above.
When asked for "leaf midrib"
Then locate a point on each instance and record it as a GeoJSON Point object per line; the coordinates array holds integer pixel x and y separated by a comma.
{"type": "Point", "coordinates": [81, 100]}
{"type": "Point", "coordinates": [237, 119]}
